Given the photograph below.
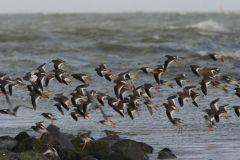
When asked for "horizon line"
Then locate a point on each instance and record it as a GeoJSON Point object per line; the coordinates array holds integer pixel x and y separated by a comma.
{"type": "Point", "coordinates": [126, 12]}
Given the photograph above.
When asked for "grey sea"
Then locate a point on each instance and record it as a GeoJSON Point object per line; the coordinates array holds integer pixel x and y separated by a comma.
{"type": "Point", "coordinates": [127, 42]}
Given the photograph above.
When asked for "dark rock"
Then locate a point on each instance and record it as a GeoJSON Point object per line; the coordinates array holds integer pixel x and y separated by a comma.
{"type": "Point", "coordinates": [111, 140]}
{"type": "Point", "coordinates": [55, 134]}
{"type": "Point", "coordinates": [7, 137]}
{"type": "Point", "coordinates": [166, 153]}
{"type": "Point", "coordinates": [21, 136]}
{"type": "Point", "coordinates": [7, 155]}
{"type": "Point", "coordinates": [92, 147]}
{"type": "Point", "coordinates": [116, 156]}
{"type": "Point", "coordinates": [89, 158]}
{"type": "Point", "coordinates": [27, 145]}
{"type": "Point", "coordinates": [7, 144]}
{"type": "Point", "coordinates": [129, 149]}
{"type": "Point", "coordinates": [145, 147]}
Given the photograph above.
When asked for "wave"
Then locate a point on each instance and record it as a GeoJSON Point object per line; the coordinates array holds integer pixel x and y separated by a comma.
{"type": "Point", "coordinates": [208, 25]}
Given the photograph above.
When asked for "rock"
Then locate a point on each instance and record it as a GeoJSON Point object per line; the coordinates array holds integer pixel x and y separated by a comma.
{"type": "Point", "coordinates": [7, 137]}
{"type": "Point", "coordinates": [89, 158]}
{"type": "Point", "coordinates": [129, 149]}
{"type": "Point", "coordinates": [166, 153]}
{"type": "Point", "coordinates": [92, 147]}
{"type": "Point", "coordinates": [145, 147]}
{"type": "Point", "coordinates": [115, 156]}
{"type": "Point", "coordinates": [27, 145]}
{"type": "Point", "coordinates": [55, 134]}
{"type": "Point", "coordinates": [111, 140]}
{"type": "Point", "coordinates": [7, 144]}
{"type": "Point", "coordinates": [66, 154]}
{"type": "Point", "coordinates": [7, 155]}
{"type": "Point", "coordinates": [21, 136]}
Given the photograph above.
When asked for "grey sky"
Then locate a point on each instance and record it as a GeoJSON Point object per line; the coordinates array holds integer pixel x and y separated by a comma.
{"type": "Point", "coordinates": [96, 6]}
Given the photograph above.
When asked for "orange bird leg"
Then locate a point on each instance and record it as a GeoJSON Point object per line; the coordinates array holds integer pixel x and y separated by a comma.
{"type": "Point", "coordinates": [69, 103]}
{"type": "Point", "coordinates": [131, 91]}
{"type": "Point", "coordinates": [205, 70]}
{"type": "Point", "coordinates": [40, 136]}
{"type": "Point", "coordinates": [203, 98]}
{"type": "Point", "coordinates": [172, 84]}
{"type": "Point", "coordinates": [208, 128]}
{"type": "Point", "coordinates": [89, 80]}
{"type": "Point", "coordinates": [158, 90]}
{"type": "Point", "coordinates": [168, 73]}
{"type": "Point", "coordinates": [51, 121]}
{"type": "Point", "coordinates": [155, 108]}
{"type": "Point", "coordinates": [214, 82]}
{"type": "Point", "coordinates": [219, 78]}
{"type": "Point", "coordinates": [224, 58]}
{"type": "Point", "coordinates": [86, 115]}
{"type": "Point", "coordinates": [179, 63]}
{"type": "Point", "coordinates": [83, 146]}
{"type": "Point", "coordinates": [82, 102]}
{"type": "Point", "coordinates": [113, 126]}
{"type": "Point", "coordinates": [138, 113]}
{"type": "Point", "coordinates": [140, 104]}
{"type": "Point", "coordinates": [152, 97]}
{"type": "Point", "coordinates": [51, 158]}
{"type": "Point", "coordinates": [70, 84]}
{"type": "Point", "coordinates": [214, 87]}
{"type": "Point", "coordinates": [24, 88]}
{"type": "Point", "coordinates": [137, 77]}
{"type": "Point", "coordinates": [44, 96]}
{"type": "Point", "coordinates": [188, 104]}
{"type": "Point", "coordinates": [181, 130]}
{"type": "Point", "coordinates": [189, 82]}
{"type": "Point", "coordinates": [66, 65]}
{"type": "Point", "coordinates": [228, 119]}
{"type": "Point", "coordinates": [225, 88]}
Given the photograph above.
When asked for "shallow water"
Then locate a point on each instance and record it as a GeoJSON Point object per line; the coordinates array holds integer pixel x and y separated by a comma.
{"type": "Point", "coordinates": [127, 42]}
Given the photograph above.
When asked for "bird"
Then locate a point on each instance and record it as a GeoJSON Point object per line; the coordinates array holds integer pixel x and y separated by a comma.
{"type": "Point", "coordinates": [49, 116]}
{"type": "Point", "coordinates": [48, 148]}
{"type": "Point", "coordinates": [216, 56]}
{"type": "Point", "coordinates": [11, 110]}
{"type": "Point", "coordinates": [180, 79]}
{"type": "Point", "coordinates": [196, 68]}
{"type": "Point", "coordinates": [221, 113]}
{"type": "Point", "coordinates": [150, 105]}
{"type": "Point", "coordinates": [169, 60]}
{"type": "Point", "coordinates": [230, 80]}
{"type": "Point", "coordinates": [40, 128]}
{"type": "Point", "coordinates": [58, 63]}
{"type": "Point", "coordinates": [34, 98]}
{"type": "Point", "coordinates": [81, 77]}
{"type": "Point", "coordinates": [177, 122]}
{"type": "Point", "coordinates": [209, 122]}
{"type": "Point", "coordinates": [107, 121]}
{"type": "Point", "coordinates": [109, 133]}
{"type": "Point", "coordinates": [237, 110]}
{"type": "Point", "coordinates": [86, 137]}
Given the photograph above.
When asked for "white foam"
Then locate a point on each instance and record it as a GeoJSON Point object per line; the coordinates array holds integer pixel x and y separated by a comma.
{"type": "Point", "coordinates": [208, 25]}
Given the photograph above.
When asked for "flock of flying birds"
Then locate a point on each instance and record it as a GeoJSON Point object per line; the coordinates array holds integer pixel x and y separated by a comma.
{"type": "Point", "coordinates": [127, 99]}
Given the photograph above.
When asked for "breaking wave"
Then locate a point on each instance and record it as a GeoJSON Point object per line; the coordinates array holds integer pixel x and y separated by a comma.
{"type": "Point", "coordinates": [208, 25]}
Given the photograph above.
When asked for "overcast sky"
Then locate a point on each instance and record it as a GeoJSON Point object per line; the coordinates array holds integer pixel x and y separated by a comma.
{"type": "Point", "coordinates": [106, 6]}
